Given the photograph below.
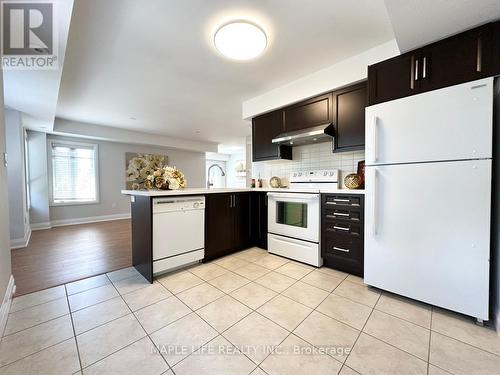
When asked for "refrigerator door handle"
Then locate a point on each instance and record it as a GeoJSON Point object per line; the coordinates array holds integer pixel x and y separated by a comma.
{"type": "Point", "coordinates": [375, 147]}
{"type": "Point", "coordinates": [374, 202]}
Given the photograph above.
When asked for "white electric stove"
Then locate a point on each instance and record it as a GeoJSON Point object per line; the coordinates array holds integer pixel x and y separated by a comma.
{"type": "Point", "coordinates": [294, 217]}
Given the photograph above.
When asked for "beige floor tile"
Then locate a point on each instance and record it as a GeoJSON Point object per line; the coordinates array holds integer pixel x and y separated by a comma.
{"type": "Point", "coordinates": [161, 314]}
{"type": "Point", "coordinates": [37, 298]}
{"type": "Point", "coordinates": [124, 273]}
{"type": "Point", "coordinates": [258, 371]}
{"type": "Point", "coordinates": [138, 358]}
{"type": "Point", "coordinates": [231, 262]}
{"type": "Point", "coordinates": [321, 280]}
{"type": "Point", "coordinates": [179, 339]}
{"type": "Point", "coordinates": [306, 294]}
{"type": "Point", "coordinates": [323, 331]}
{"type": "Point", "coordinates": [254, 335]}
{"type": "Point", "coordinates": [91, 297]}
{"type": "Point", "coordinates": [285, 312]}
{"type": "Point", "coordinates": [348, 371]}
{"type": "Point", "coordinates": [464, 329]}
{"type": "Point", "coordinates": [296, 357]}
{"type": "Point", "coordinates": [32, 316]}
{"type": "Point", "coordinates": [229, 282]}
{"type": "Point", "coordinates": [223, 313]}
{"type": "Point", "coordinates": [200, 295]}
{"type": "Point", "coordinates": [180, 281]}
{"type": "Point", "coordinates": [251, 255]}
{"type": "Point", "coordinates": [332, 272]}
{"type": "Point", "coordinates": [345, 310]}
{"type": "Point", "coordinates": [275, 281]}
{"type": "Point", "coordinates": [294, 270]}
{"type": "Point", "coordinates": [461, 359]}
{"type": "Point", "coordinates": [399, 333]}
{"type": "Point", "coordinates": [146, 296]}
{"type": "Point", "coordinates": [208, 271]}
{"type": "Point", "coordinates": [253, 295]}
{"type": "Point", "coordinates": [434, 370]}
{"type": "Point", "coordinates": [271, 261]}
{"type": "Point", "coordinates": [359, 293]}
{"type": "Point", "coordinates": [104, 340]}
{"type": "Point", "coordinates": [58, 359]}
{"type": "Point", "coordinates": [96, 315]}
{"type": "Point", "coordinates": [252, 271]}
{"type": "Point", "coordinates": [131, 284]}
{"type": "Point", "coordinates": [86, 284]}
{"type": "Point", "coordinates": [405, 308]}
{"type": "Point", "coordinates": [355, 279]}
{"type": "Point", "coordinates": [32, 340]}
{"type": "Point", "coordinates": [215, 358]}
{"type": "Point", "coordinates": [372, 356]}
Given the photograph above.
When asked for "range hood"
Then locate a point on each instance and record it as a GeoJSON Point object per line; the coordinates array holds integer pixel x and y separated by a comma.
{"type": "Point", "coordinates": [317, 134]}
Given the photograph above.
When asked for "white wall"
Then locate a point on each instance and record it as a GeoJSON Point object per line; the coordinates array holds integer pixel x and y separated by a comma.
{"type": "Point", "coordinates": [346, 72]}
{"type": "Point", "coordinates": [5, 265]}
{"type": "Point", "coordinates": [19, 222]}
{"type": "Point", "coordinates": [112, 177]}
{"type": "Point", "coordinates": [308, 157]}
{"type": "Point", "coordinates": [39, 188]}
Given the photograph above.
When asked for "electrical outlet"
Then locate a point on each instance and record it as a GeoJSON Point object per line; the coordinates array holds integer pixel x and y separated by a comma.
{"type": "Point", "coordinates": [5, 159]}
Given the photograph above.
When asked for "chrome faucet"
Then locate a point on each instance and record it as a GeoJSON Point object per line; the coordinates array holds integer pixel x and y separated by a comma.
{"type": "Point", "coordinates": [208, 174]}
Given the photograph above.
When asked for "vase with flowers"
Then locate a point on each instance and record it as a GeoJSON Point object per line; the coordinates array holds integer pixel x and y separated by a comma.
{"type": "Point", "coordinates": [166, 178]}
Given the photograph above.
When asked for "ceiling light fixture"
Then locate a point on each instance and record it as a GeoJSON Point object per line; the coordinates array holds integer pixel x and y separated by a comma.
{"type": "Point", "coordinates": [240, 40]}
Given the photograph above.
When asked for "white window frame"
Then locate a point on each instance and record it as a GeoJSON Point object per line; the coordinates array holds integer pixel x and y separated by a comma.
{"type": "Point", "coordinates": [95, 146]}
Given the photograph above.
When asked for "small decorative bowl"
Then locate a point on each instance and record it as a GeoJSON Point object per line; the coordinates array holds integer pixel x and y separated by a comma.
{"type": "Point", "coordinates": [275, 182]}
{"type": "Point", "coordinates": [352, 181]}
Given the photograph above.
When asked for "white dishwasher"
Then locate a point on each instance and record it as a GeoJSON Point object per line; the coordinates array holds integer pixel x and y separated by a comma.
{"type": "Point", "coordinates": [178, 232]}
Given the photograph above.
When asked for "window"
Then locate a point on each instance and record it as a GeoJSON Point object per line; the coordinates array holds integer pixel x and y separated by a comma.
{"type": "Point", "coordinates": [73, 170]}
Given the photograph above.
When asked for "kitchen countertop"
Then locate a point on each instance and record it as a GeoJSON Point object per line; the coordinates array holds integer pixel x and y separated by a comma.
{"type": "Point", "coordinates": [202, 191]}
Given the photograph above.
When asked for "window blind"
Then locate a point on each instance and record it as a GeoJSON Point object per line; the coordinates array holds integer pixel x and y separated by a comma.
{"type": "Point", "coordinates": [73, 173]}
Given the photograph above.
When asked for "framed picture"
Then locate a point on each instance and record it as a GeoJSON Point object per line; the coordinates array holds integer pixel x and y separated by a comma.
{"type": "Point", "coordinates": [140, 166]}
{"type": "Point", "coordinates": [361, 172]}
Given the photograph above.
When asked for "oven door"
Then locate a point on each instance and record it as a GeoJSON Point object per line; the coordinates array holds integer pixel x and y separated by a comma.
{"type": "Point", "coordinates": [294, 215]}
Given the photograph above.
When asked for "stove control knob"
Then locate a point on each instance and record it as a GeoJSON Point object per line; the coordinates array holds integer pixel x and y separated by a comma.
{"type": "Point", "coordinates": [196, 205]}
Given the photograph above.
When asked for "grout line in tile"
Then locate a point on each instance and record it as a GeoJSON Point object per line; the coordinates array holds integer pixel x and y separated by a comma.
{"type": "Point", "coordinates": [36, 325]}
{"type": "Point", "coordinates": [74, 332]}
{"type": "Point", "coordinates": [429, 347]}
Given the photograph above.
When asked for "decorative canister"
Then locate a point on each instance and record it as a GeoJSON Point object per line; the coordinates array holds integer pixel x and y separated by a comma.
{"type": "Point", "coordinates": [353, 181]}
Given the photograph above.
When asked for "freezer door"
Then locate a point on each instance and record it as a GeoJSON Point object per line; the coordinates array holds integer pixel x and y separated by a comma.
{"type": "Point", "coordinates": [454, 123]}
{"type": "Point", "coordinates": [428, 233]}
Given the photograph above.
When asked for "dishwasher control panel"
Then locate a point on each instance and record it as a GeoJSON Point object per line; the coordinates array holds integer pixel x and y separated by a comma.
{"type": "Point", "coordinates": [178, 203]}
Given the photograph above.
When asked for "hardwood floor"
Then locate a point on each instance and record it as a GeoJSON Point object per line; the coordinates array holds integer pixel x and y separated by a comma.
{"type": "Point", "coordinates": [64, 254]}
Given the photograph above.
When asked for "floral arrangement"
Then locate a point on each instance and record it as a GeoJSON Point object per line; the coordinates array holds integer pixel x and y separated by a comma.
{"type": "Point", "coordinates": [140, 166]}
{"type": "Point", "coordinates": [166, 178]}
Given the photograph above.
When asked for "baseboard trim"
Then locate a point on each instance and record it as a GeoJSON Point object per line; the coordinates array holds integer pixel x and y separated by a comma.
{"type": "Point", "coordinates": [19, 243]}
{"type": "Point", "coordinates": [6, 302]}
{"type": "Point", "coordinates": [79, 220]}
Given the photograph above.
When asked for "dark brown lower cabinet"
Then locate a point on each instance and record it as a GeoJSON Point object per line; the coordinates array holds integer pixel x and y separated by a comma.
{"type": "Point", "coordinates": [227, 223]}
{"type": "Point", "coordinates": [258, 231]}
{"type": "Point", "coordinates": [342, 232]}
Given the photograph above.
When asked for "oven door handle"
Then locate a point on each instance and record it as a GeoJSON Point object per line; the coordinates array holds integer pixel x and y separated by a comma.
{"type": "Point", "coordinates": [284, 196]}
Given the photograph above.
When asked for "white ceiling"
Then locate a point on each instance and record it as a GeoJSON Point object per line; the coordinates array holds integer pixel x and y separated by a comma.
{"type": "Point", "coordinates": [419, 22]}
{"type": "Point", "coordinates": [154, 60]}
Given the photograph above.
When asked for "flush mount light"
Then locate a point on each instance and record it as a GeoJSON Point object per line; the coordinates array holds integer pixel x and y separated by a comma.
{"type": "Point", "coordinates": [240, 40]}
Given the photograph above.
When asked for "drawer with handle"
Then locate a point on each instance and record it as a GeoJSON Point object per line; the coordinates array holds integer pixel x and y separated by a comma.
{"type": "Point", "coordinates": [343, 200]}
{"type": "Point", "coordinates": [343, 213]}
{"type": "Point", "coordinates": [343, 246]}
{"type": "Point", "coordinates": [333, 227]}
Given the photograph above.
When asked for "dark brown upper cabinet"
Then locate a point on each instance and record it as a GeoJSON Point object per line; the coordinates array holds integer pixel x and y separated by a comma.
{"type": "Point", "coordinates": [465, 57]}
{"type": "Point", "coordinates": [393, 78]}
{"type": "Point", "coordinates": [349, 117]}
{"type": "Point", "coordinates": [264, 129]}
{"type": "Point", "coordinates": [309, 113]}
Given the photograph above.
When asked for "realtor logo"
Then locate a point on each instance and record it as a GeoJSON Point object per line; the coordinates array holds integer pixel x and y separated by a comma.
{"type": "Point", "coordinates": [28, 35]}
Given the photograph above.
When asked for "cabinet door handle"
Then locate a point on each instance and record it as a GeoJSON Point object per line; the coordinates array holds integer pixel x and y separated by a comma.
{"type": "Point", "coordinates": [340, 214]}
{"type": "Point", "coordinates": [412, 73]}
{"type": "Point", "coordinates": [424, 67]}
{"type": "Point", "coordinates": [340, 228]}
{"type": "Point", "coordinates": [340, 200]}
{"type": "Point", "coordinates": [341, 249]}
{"type": "Point", "coordinates": [375, 146]}
{"type": "Point", "coordinates": [479, 61]}
{"type": "Point", "coordinates": [231, 201]}
{"type": "Point", "coordinates": [416, 69]}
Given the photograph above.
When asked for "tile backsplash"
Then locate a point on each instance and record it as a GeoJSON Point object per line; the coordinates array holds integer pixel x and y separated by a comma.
{"type": "Point", "coordinates": [308, 157]}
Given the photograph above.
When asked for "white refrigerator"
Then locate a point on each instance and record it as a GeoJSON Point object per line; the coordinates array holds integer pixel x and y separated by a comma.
{"type": "Point", "coordinates": [428, 196]}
